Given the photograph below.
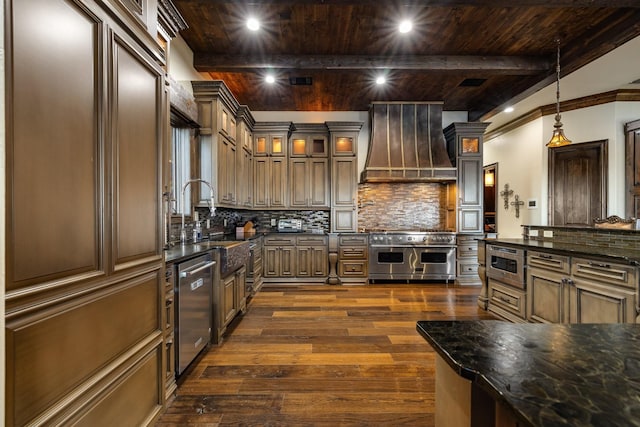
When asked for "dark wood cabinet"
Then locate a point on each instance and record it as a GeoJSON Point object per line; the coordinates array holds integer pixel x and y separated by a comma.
{"type": "Point", "coordinates": [85, 289]}
{"type": "Point", "coordinates": [464, 142]}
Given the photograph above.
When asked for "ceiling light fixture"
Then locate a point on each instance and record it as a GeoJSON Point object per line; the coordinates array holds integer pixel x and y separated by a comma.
{"type": "Point", "coordinates": [508, 110]}
{"type": "Point", "coordinates": [253, 24]}
{"type": "Point", "coordinates": [270, 79]}
{"type": "Point", "coordinates": [558, 139]}
{"type": "Point", "coordinates": [405, 26]}
{"type": "Point", "coordinates": [380, 80]}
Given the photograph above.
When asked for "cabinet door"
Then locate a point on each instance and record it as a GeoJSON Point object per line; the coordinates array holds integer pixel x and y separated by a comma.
{"type": "Point", "coordinates": [261, 182]}
{"type": "Point", "coordinates": [546, 297]}
{"type": "Point", "coordinates": [299, 182]}
{"type": "Point", "coordinates": [319, 261]}
{"type": "Point", "coordinates": [470, 194]}
{"type": "Point", "coordinates": [244, 178]}
{"type": "Point", "coordinates": [344, 182]}
{"type": "Point", "coordinates": [344, 220]}
{"type": "Point", "coordinates": [594, 303]}
{"type": "Point", "coordinates": [303, 261]}
{"type": "Point", "coordinates": [271, 261]}
{"type": "Point", "coordinates": [278, 189]}
{"type": "Point", "coordinates": [231, 173]}
{"type": "Point", "coordinates": [241, 290]}
{"type": "Point", "coordinates": [228, 298]}
{"type": "Point", "coordinates": [287, 261]}
{"type": "Point", "coordinates": [318, 182]}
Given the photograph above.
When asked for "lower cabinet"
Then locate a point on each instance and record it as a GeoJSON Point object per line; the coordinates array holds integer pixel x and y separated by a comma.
{"type": "Point", "coordinates": [467, 259]}
{"type": "Point", "coordinates": [353, 257]}
{"type": "Point", "coordinates": [507, 301]}
{"type": "Point", "coordinates": [561, 289]}
{"type": "Point", "coordinates": [229, 299]}
{"type": "Point", "coordinates": [602, 292]}
{"type": "Point", "coordinates": [294, 257]}
{"type": "Point", "coordinates": [547, 287]}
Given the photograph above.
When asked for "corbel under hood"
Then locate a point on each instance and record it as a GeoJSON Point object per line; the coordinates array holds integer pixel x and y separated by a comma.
{"type": "Point", "coordinates": [407, 144]}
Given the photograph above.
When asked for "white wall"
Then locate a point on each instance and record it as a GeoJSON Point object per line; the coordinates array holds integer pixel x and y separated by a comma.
{"type": "Point", "coordinates": [181, 64]}
{"type": "Point", "coordinates": [519, 155]}
{"type": "Point", "coordinates": [522, 159]}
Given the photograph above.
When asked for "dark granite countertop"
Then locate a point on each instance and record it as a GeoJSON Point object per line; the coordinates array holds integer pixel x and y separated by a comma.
{"type": "Point", "coordinates": [191, 250]}
{"type": "Point", "coordinates": [615, 254]}
{"type": "Point", "coordinates": [549, 374]}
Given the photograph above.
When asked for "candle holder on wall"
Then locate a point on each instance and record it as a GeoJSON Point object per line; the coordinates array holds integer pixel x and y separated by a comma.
{"type": "Point", "coordinates": [505, 194]}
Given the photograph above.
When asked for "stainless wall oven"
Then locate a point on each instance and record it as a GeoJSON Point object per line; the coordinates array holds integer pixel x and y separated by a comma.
{"type": "Point", "coordinates": [506, 264]}
{"type": "Point", "coordinates": [412, 256]}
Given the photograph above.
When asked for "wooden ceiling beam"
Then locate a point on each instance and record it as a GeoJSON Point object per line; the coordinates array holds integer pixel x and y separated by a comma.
{"type": "Point", "coordinates": [511, 65]}
{"type": "Point", "coordinates": [443, 3]}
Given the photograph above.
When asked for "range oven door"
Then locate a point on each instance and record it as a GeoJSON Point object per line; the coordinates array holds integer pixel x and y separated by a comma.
{"type": "Point", "coordinates": [412, 262]}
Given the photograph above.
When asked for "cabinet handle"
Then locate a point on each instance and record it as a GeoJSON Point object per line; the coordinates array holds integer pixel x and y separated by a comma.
{"type": "Point", "coordinates": [545, 256]}
{"type": "Point", "coordinates": [596, 264]}
{"type": "Point", "coordinates": [505, 299]}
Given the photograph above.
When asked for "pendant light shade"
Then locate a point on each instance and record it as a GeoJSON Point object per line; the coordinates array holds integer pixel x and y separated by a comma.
{"type": "Point", "coordinates": [558, 139]}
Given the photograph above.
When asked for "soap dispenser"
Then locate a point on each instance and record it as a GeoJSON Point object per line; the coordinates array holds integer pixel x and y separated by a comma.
{"type": "Point", "coordinates": [197, 232]}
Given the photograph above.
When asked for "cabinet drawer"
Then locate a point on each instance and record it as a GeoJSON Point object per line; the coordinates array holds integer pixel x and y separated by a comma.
{"type": "Point", "coordinates": [467, 268]}
{"type": "Point", "coordinates": [507, 297]}
{"type": "Point", "coordinates": [551, 262]}
{"type": "Point", "coordinates": [353, 253]}
{"type": "Point", "coordinates": [280, 241]}
{"type": "Point", "coordinates": [468, 249]}
{"type": "Point", "coordinates": [353, 240]}
{"type": "Point", "coordinates": [604, 272]}
{"type": "Point", "coordinates": [312, 240]}
{"type": "Point", "coordinates": [352, 268]}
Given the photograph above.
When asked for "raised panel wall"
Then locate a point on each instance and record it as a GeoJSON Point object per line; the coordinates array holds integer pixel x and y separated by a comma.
{"type": "Point", "coordinates": [53, 168]}
{"type": "Point", "coordinates": [137, 120]}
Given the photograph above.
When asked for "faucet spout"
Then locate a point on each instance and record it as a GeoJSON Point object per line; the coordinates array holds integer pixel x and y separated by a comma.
{"type": "Point", "coordinates": [211, 201]}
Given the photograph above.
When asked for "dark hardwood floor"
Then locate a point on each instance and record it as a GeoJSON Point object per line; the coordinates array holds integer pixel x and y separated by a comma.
{"type": "Point", "coordinates": [323, 356]}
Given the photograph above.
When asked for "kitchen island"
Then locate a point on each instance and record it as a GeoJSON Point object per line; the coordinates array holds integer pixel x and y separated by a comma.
{"type": "Point", "coordinates": [500, 373]}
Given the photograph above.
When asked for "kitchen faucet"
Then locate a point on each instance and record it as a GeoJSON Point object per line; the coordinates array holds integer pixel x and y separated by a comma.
{"type": "Point", "coordinates": [212, 207]}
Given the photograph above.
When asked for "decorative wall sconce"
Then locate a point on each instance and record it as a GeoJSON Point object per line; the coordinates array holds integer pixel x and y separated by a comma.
{"type": "Point", "coordinates": [489, 179]}
{"type": "Point", "coordinates": [517, 203]}
{"type": "Point", "coordinates": [505, 194]}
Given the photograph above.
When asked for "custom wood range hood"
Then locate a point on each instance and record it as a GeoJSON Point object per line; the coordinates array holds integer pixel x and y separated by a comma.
{"type": "Point", "coordinates": [407, 144]}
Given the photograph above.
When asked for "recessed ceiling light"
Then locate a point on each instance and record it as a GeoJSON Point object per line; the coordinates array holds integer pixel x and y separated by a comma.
{"type": "Point", "coordinates": [508, 110]}
{"type": "Point", "coordinates": [380, 80]}
{"type": "Point", "coordinates": [270, 79]}
{"type": "Point", "coordinates": [405, 26]}
{"type": "Point", "coordinates": [253, 24]}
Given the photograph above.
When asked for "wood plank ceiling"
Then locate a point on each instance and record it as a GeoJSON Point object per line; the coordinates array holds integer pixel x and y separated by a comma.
{"type": "Point", "coordinates": [474, 55]}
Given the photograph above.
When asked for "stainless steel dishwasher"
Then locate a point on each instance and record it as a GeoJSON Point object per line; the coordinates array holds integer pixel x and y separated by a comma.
{"type": "Point", "coordinates": [193, 307]}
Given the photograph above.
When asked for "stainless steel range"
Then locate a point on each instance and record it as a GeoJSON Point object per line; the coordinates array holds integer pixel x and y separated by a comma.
{"type": "Point", "coordinates": [412, 255]}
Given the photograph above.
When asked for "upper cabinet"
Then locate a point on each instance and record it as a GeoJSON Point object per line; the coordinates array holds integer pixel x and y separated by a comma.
{"type": "Point", "coordinates": [271, 142]}
{"type": "Point", "coordinates": [464, 142]}
{"type": "Point", "coordinates": [217, 114]}
{"type": "Point", "coordinates": [309, 140]}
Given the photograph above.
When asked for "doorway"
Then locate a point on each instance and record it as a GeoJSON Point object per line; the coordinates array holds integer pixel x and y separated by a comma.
{"type": "Point", "coordinates": [578, 183]}
{"type": "Point", "coordinates": [490, 179]}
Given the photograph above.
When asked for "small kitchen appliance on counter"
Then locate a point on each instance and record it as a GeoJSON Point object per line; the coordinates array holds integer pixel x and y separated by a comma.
{"type": "Point", "coordinates": [289, 225]}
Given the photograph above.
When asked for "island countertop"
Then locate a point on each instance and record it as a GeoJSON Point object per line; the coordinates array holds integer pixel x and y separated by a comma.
{"type": "Point", "coordinates": [548, 374]}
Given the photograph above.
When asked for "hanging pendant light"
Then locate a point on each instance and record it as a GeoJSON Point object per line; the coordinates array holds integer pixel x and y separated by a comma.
{"type": "Point", "coordinates": [558, 139]}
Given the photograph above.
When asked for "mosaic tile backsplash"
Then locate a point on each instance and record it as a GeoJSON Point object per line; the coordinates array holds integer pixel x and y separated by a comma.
{"type": "Point", "coordinates": [408, 206]}
{"type": "Point", "coordinates": [587, 236]}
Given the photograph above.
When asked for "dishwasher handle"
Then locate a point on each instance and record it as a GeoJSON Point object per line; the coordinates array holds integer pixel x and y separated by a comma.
{"type": "Point", "coordinates": [196, 270]}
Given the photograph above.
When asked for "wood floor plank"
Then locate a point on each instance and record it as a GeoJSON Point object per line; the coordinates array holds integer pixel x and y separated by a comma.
{"type": "Point", "coordinates": [322, 355]}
